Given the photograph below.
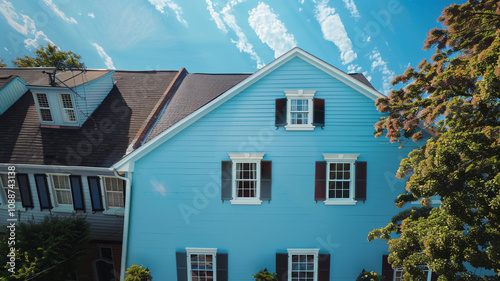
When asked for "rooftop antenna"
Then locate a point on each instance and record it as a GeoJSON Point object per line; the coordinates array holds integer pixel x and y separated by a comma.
{"type": "Point", "coordinates": [53, 79]}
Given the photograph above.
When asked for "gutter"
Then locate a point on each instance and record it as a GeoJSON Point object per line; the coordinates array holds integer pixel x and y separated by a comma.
{"type": "Point", "coordinates": [126, 220]}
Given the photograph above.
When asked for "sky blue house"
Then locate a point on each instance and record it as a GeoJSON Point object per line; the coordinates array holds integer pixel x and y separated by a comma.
{"type": "Point", "coordinates": [277, 170]}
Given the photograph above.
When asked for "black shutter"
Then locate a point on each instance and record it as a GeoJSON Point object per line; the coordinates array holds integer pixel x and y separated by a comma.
{"type": "Point", "coordinates": [387, 270]}
{"type": "Point", "coordinates": [434, 276]}
{"type": "Point", "coordinates": [222, 267]}
{"type": "Point", "coordinates": [77, 192]}
{"type": "Point", "coordinates": [124, 191]}
{"type": "Point", "coordinates": [319, 112]}
{"type": "Point", "coordinates": [265, 180]}
{"type": "Point", "coordinates": [320, 181]}
{"type": "Point", "coordinates": [360, 181]}
{"type": "Point", "coordinates": [181, 259]}
{"type": "Point", "coordinates": [226, 180]}
{"type": "Point", "coordinates": [282, 267]}
{"type": "Point", "coordinates": [25, 190]}
{"type": "Point", "coordinates": [323, 267]}
{"type": "Point", "coordinates": [42, 188]}
{"type": "Point", "coordinates": [95, 193]}
{"type": "Point", "coordinates": [280, 118]}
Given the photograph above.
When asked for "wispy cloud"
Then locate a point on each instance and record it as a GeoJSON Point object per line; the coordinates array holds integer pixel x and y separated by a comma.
{"type": "Point", "coordinates": [58, 12]}
{"type": "Point", "coordinates": [40, 40]}
{"type": "Point", "coordinates": [349, 4]}
{"type": "Point", "coordinates": [271, 30]}
{"type": "Point", "coordinates": [353, 68]}
{"type": "Point", "coordinates": [333, 30]}
{"type": "Point", "coordinates": [161, 4]}
{"type": "Point", "coordinates": [216, 16]}
{"type": "Point", "coordinates": [378, 64]}
{"type": "Point", "coordinates": [242, 43]}
{"type": "Point", "coordinates": [107, 59]}
{"type": "Point", "coordinates": [21, 23]}
{"type": "Point", "coordinates": [91, 15]}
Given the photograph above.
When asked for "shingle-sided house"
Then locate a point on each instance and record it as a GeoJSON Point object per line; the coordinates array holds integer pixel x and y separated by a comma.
{"type": "Point", "coordinates": [61, 135]}
{"type": "Point", "coordinates": [281, 171]}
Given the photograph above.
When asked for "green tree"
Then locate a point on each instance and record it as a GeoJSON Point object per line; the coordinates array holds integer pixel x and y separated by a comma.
{"type": "Point", "coordinates": [45, 251]}
{"type": "Point", "coordinates": [455, 97]}
{"type": "Point", "coordinates": [48, 56]}
{"type": "Point", "coordinates": [1, 63]}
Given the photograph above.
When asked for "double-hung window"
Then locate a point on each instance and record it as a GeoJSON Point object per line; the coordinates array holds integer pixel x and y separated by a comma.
{"type": "Point", "coordinates": [10, 187]}
{"type": "Point", "coordinates": [44, 108]}
{"type": "Point", "coordinates": [201, 264]}
{"type": "Point", "coordinates": [114, 192]}
{"type": "Point", "coordinates": [303, 264]}
{"type": "Point", "coordinates": [62, 189]}
{"type": "Point", "coordinates": [246, 179]}
{"type": "Point", "coordinates": [107, 194]}
{"type": "Point", "coordinates": [300, 111]}
{"type": "Point", "coordinates": [67, 108]}
{"type": "Point", "coordinates": [340, 179]}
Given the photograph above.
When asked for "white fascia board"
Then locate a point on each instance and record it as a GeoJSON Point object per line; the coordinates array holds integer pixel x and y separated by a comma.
{"type": "Point", "coordinates": [123, 165]}
{"type": "Point", "coordinates": [56, 167]}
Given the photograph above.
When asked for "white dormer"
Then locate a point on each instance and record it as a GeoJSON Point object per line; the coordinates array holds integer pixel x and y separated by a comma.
{"type": "Point", "coordinates": [72, 98]}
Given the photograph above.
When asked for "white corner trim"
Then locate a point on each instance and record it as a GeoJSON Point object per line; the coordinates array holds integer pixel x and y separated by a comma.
{"type": "Point", "coordinates": [245, 201]}
{"type": "Point", "coordinates": [297, 127]}
{"type": "Point", "coordinates": [302, 94]}
{"type": "Point", "coordinates": [201, 251]}
{"type": "Point", "coordinates": [246, 156]}
{"type": "Point", "coordinates": [340, 157]}
{"type": "Point", "coordinates": [332, 202]}
{"type": "Point", "coordinates": [303, 251]}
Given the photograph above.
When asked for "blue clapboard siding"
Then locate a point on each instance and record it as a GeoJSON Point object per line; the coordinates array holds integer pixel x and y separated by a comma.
{"type": "Point", "coordinates": [103, 227]}
{"type": "Point", "coordinates": [10, 93]}
{"type": "Point", "coordinates": [176, 188]}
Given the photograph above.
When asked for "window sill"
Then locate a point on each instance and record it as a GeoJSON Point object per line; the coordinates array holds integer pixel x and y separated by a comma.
{"type": "Point", "coordinates": [63, 209]}
{"type": "Point", "coordinates": [307, 127]}
{"type": "Point", "coordinates": [114, 212]}
{"type": "Point", "coordinates": [340, 202]}
{"type": "Point", "coordinates": [246, 202]}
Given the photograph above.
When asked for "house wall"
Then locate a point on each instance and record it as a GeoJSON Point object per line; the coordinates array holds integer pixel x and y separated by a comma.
{"type": "Point", "coordinates": [103, 227]}
{"type": "Point", "coordinates": [176, 201]}
{"type": "Point", "coordinates": [10, 93]}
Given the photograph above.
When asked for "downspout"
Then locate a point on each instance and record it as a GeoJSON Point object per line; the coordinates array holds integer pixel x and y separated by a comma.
{"type": "Point", "coordinates": [126, 219]}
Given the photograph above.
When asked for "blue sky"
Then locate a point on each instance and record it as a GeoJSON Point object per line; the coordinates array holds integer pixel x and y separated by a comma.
{"type": "Point", "coordinates": [379, 38]}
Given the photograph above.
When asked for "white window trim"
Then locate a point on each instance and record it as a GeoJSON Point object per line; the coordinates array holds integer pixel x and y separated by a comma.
{"type": "Point", "coordinates": [341, 158]}
{"type": "Point", "coordinates": [429, 274]}
{"type": "Point", "coordinates": [4, 198]}
{"type": "Point", "coordinates": [63, 109]}
{"type": "Point", "coordinates": [39, 107]}
{"type": "Point", "coordinates": [201, 251]}
{"type": "Point", "coordinates": [245, 158]}
{"type": "Point", "coordinates": [109, 210]}
{"type": "Point", "coordinates": [314, 252]}
{"type": "Point", "coordinates": [299, 94]}
{"type": "Point", "coordinates": [59, 208]}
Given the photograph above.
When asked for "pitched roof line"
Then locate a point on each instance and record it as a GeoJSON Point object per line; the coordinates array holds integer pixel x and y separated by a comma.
{"type": "Point", "coordinates": [156, 111]}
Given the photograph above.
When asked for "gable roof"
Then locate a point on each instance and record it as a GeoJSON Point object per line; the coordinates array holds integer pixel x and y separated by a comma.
{"type": "Point", "coordinates": [72, 78]}
{"type": "Point", "coordinates": [354, 81]}
{"type": "Point", "coordinates": [101, 141]}
{"type": "Point", "coordinates": [4, 80]}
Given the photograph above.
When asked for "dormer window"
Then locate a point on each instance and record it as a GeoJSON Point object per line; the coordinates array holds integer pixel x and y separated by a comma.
{"type": "Point", "coordinates": [300, 111]}
{"type": "Point", "coordinates": [67, 108]}
{"type": "Point", "coordinates": [44, 108]}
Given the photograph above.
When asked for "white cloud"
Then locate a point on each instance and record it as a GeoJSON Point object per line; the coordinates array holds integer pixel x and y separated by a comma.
{"type": "Point", "coordinates": [58, 12]}
{"type": "Point", "coordinates": [161, 4]}
{"type": "Point", "coordinates": [21, 23]}
{"type": "Point", "coordinates": [368, 77]}
{"type": "Point", "coordinates": [107, 59]}
{"type": "Point", "coordinates": [40, 39]}
{"type": "Point", "coordinates": [242, 43]}
{"type": "Point", "coordinates": [333, 30]}
{"type": "Point", "coordinates": [91, 15]}
{"type": "Point", "coordinates": [378, 64]}
{"type": "Point", "coordinates": [271, 30]}
{"type": "Point", "coordinates": [215, 16]}
{"type": "Point", "coordinates": [349, 4]}
{"type": "Point", "coordinates": [353, 68]}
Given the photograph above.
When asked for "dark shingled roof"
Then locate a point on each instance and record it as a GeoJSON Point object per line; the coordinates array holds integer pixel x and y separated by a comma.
{"type": "Point", "coordinates": [72, 78]}
{"type": "Point", "coordinates": [361, 78]}
{"type": "Point", "coordinates": [195, 91]}
{"type": "Point", "coordinates": [5, 79]}
{"type": "Point", "coordinates": [100, 142]}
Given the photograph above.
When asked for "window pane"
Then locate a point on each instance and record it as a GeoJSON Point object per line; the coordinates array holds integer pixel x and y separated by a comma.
{"type": "Point", "coordinates": [62, 189]}
{"type": "Point", "coordinates": [46, 115]}
{"type": "Point", "coordinates": [246, 180]}
{"type": "Point", "coordinates": [339, 181]}
{"type": "Point", "coordinates": [12, 185]}
{"type": "Point", "coordinates": [114, 191]}
{"type": "Point", "coordinates": [202, 267]}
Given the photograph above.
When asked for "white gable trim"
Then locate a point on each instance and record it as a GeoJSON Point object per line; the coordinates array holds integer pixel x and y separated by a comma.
{"type": "Point", "coordinates": [127, 163]}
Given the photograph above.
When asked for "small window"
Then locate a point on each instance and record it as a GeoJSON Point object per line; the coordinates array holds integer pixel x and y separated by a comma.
{"type": "Point", "coordinates": [10, 186]}
{"type": "Point", "coordinates": [300, 111]}
{"type": "Point", "coordinates": [44, 108]}
{"type": "Point", "coordinates": [62, 189]}
{"type": "Point", "coordinates": [68, 111]}
{"type": "Point", "coordinates": [201, 264]}
{"type": "Point", "coordinates": [114, 192]}
{"type": "Point", "coordinates": [246, 179]}
{"type": "Point", "coordinates": [303, 264]}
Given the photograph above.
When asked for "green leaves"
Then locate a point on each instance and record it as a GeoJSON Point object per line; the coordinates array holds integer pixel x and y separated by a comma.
{"type": "Point", "coordinates": [48, 56]}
